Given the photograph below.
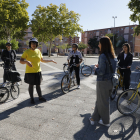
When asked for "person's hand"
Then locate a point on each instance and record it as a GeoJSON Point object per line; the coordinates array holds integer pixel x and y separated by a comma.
{"type": "Point", "coordinates": [96, 65]}
{"type": "Point", "coordinates": [77, 65]}
{"type": "Point", "coordinates": [29, 63]}
{"type": "Point", "coordinates": [54, 62]}
{"type": "Point", "coordinates": [128, 67]}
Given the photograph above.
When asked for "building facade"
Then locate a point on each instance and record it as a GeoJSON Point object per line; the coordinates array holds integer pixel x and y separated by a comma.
{"type": "Point", "coordinates": [24, 44]}
{"type": "Point", "coordinates": [124, 31]}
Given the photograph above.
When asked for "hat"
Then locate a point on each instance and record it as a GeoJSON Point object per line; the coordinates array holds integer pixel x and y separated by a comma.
{"type": "Point", "coordinates": [8, 43]}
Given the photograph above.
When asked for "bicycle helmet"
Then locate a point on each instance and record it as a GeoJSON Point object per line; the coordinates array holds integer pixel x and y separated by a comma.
{"type": "Point", "coordinates": [75, 45]}
{"type": "Point", "coordinates": [8, 43]}
{"type": "Point", "coordinates": [33, 40]}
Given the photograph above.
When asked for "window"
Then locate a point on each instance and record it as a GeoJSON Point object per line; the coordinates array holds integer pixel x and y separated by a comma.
{"type": "Point", "coordinates": [121, 28]}
{"type": "Point", "coordinates": [132, 34]}
{"type": "Point", "coordinates": [131, 27]}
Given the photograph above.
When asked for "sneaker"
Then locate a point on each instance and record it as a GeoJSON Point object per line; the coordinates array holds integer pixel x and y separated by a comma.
{"type": "Point", "coordinates": [42, 99]}
{"type": "Point", "coordinates": [91, 122]}
{"type": "Point", "coordinates": [78, 87]}
{"type": "Point", "coordinates": [101, 122]}
{"type": "Point", "coordinates": [32, 101]}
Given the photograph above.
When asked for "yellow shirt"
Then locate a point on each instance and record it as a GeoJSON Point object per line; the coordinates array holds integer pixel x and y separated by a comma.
{"type": "Point", "coordinates": [34, 57]}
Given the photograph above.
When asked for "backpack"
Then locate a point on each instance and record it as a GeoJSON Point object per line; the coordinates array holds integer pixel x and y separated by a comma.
{"type": "Point", "coordinates": [13, 76]}
{"type": "Point", "coordinates": [115, 76]}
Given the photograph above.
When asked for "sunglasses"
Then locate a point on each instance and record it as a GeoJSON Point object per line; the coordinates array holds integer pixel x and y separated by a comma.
{"type": "Point", "coordinates": [73, 46]}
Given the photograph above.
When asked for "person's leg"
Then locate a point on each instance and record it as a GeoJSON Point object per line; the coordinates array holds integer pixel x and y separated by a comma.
{"type": "Point", "coordinates": [77, 75]}
{"type": "Point", "coordinates": [14, 67]}
{"type": "Point", "coordinates": [4, 76]}
{"type": "Point", "coordinates": [31, 90]}
{"type": "Point", "coordinates": [122, 74]}
{"type": "Point", "coordinates": [38, 89]}
{"type": "Point", "coordinates": [127, 74]}
{"type": "Point", "coordinates": [95, 116]}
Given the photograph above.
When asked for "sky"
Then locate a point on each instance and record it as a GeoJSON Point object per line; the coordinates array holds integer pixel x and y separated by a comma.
{"type": "Point", "coordinates": [95, 14]}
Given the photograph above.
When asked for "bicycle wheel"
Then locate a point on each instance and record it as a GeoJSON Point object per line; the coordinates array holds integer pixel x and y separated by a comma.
{"type": "Point", "coordinates": [113, 94]}
{"type": "Point", "coordinates": [65, 68]}
{"type": "Point", "coordinates": [65, 84]}
{"type": "Point", "coordinates": [14, 91]}
{"type": "Point", "coordinates": [128, 102]}
{"type": "Point", "coordinates": [4, 94]}
{"type": "Point", "coordinates": [86, 70]}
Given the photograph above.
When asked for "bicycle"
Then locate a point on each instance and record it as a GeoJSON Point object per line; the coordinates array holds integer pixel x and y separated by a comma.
{"type": "Point", "coordinates": [67, 80]}
{"type": "Point", "coordinates": [120, 85]}
{"type": "Point", "coordinates": [85, 69]}
{"type": "Point", "coordinates": [8, 88]}
{"type": "Point", "coordinates": [129, 101]}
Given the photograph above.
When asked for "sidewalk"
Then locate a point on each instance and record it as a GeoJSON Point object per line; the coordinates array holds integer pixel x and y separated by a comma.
{"type": "Point", "coordinates": [63, 116]}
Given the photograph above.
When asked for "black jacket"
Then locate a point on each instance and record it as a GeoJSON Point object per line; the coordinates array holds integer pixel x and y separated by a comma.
{"type": "Point", "coordinates": [8, 56]}
{"type": "Point", "coordinates": [125, 63]}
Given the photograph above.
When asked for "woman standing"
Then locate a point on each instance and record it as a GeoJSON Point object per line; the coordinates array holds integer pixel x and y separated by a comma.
{"type": "Point", "coordinates": [104, 84]}
{"type": "Point", "coordinates": [33, 74]}
{"type": "Point", "coordinates": [125, 61]}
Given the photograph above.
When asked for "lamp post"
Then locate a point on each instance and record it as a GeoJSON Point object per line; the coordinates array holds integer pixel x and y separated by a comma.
{"type": "Point", "coordinates": [114, 27]}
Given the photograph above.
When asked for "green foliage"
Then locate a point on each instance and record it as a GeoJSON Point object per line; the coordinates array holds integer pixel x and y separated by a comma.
{"type": "Point", "coordinates": [52, 21]}
{"type": "Point", "coordinates": [3, 44]}
{"type": "Point", "coordinates": [82, 46]}
{"type": "Point", "coordinates": [134, 6]}
{"type": "Point", "coordinates": [15, 44]}
{"type": "Point", "coordinates": [64, 46]}
{"type": "Point", "coordinates": [14, 19]}
{"type": "Point", "coordinates": [93, 42]}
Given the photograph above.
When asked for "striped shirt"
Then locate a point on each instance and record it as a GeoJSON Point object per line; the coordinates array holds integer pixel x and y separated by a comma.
{"type": "Point", "coordinates": [77, 53]}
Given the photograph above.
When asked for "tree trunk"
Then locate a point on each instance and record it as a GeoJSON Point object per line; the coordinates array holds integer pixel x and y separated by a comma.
{"type": "Point", "coordinates": [50, 48]}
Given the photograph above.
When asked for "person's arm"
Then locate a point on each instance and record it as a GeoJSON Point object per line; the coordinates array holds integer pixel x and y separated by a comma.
{"type": "Point", "coordinates": [3, 58]}
{"type": "Point", "coordinates": [81, 59]}
{"type": "Point", "coordinates": [102, 65]}
{"type": "Point", "coordinates": [68, 59]}
{"type": "Point", "coordinates": [46, 61]}
{"type": "Point", "coordinates": [15, 56]}
{"type": "Point", "coordinates": [23, 61]}
{"type": "Point", "coordinates": [130, 62]}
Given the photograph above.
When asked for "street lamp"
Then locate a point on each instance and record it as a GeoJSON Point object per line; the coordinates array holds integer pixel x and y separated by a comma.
{"type": "Point", "coordinates": [114, 27]}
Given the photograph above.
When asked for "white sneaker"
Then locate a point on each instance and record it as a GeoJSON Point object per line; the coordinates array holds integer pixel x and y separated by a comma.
{"type": "Point", "coordinates": [91, 122]}
{"type": "Point", "coordinates": [101, 122]}
{"type": "Point", "coordinates": [78, 87]}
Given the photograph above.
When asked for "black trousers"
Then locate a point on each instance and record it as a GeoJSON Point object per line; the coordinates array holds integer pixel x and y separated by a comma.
{"type": "Point", "coordinates": [126, 81]}
{"type": "Point", "coordinates": [4, 75]}
{"type": "Point", "coordinates": [77, 69]}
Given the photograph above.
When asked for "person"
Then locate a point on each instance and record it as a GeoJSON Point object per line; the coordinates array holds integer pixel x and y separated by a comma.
{"type": "Point", "coordinates": [8, 56]}
{"type": "Point", "coordinates": [75, 57]}
{"type": "Point", "coordinates": [33, 74]}
{"type": "Point", "coordinates": [124, 62]}
{"type": "Point", "coordinates": [104, 84]}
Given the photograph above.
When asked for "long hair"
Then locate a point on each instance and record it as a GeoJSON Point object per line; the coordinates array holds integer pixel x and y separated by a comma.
{"type": "Point", "coordinates": [106, 46]}
{"type": "Point", "coordinates": [128, 47]}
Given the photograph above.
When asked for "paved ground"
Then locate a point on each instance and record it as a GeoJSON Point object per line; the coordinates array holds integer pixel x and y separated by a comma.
{"type": "Point", "coordinates": [63, 116]}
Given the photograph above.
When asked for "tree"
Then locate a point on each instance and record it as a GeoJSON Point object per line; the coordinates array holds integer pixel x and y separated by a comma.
{"type": "Point", "coordinates": [13, 42]}
{"type": "Point", "coordinates": [93, 42]}
{"type": "Point", "coordinates": [115, 38]}
{"type": "Point", "coordinates": [51, 21]}
{"type": "Point", "coordinates": [64, 46]}
{"type": "Point", "coordinates": [134, 6]}
{"type": "Point", "coordinates": [82, 46]}
{"type": "Point", "coordinates": [14, 19]}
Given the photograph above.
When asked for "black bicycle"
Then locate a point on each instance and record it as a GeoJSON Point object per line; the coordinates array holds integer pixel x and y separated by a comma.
{"type": "Point", "coordinates": [9, 87]}
{"type": "Point", "coordinates": [85, 69]}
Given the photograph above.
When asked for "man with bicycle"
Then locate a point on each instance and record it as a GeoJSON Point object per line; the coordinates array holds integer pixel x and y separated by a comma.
{"type": "Point", "coordinates": [75, 58]}
{"type": "Point", "coordinates": [8, 56]}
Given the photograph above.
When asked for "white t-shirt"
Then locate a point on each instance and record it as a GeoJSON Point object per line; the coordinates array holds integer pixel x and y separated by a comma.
{"type": "Point", "coordinates": [125, 55]}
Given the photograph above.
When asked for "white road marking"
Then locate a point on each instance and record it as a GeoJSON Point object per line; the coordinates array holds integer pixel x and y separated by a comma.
{"type": "Point", "coordinates": [50, 66]}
